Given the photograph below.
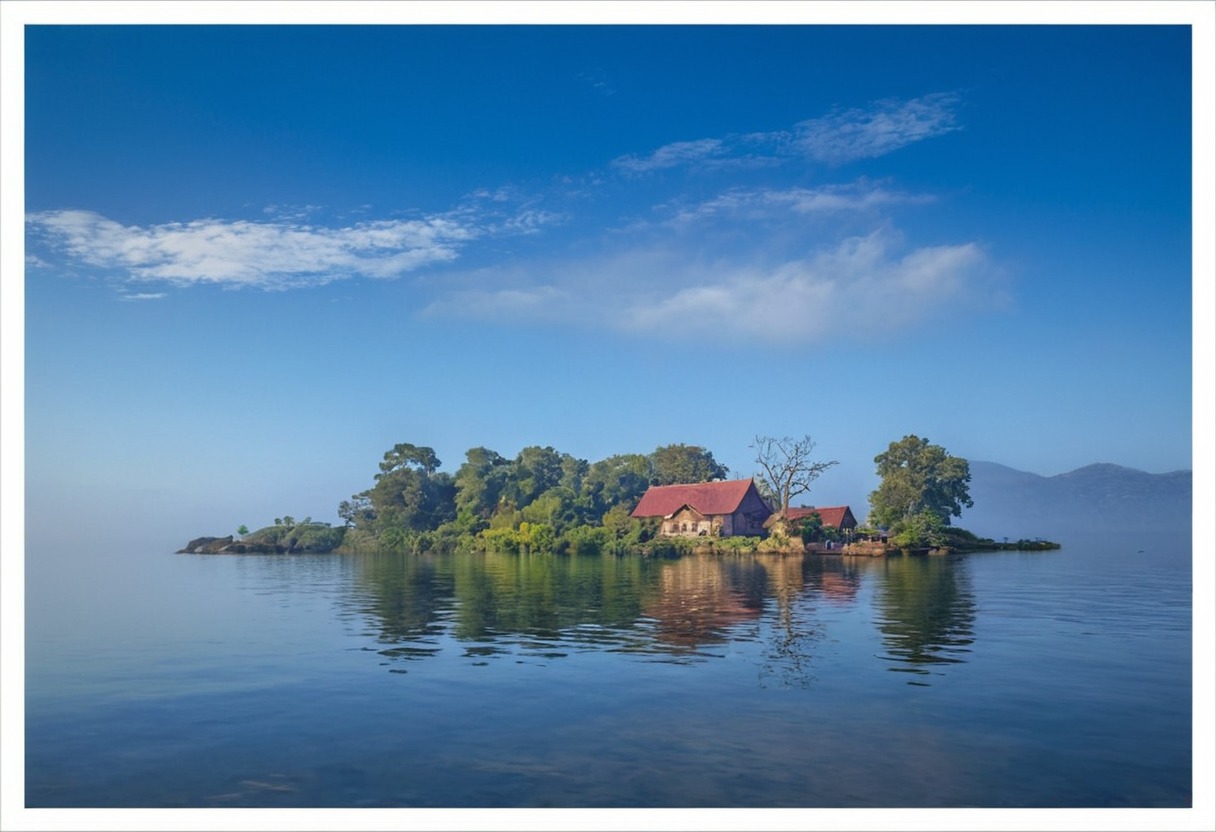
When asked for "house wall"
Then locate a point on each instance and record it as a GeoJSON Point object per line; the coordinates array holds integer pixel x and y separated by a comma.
{"type": "Point", "coordinates": [750, 517]}
{"type": "Point", "coordinates": [689, 523]}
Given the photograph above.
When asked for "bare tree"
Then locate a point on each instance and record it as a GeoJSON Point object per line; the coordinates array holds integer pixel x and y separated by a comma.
{"type": "Point", "coordinates": [786, 467]}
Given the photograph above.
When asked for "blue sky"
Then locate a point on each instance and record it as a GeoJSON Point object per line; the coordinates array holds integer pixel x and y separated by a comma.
{"type": "Point", "coordinates": [257, 257]}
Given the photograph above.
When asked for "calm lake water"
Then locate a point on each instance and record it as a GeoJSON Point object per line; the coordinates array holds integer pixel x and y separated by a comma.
{"type": "Point", "coordinates": [1054, 679]}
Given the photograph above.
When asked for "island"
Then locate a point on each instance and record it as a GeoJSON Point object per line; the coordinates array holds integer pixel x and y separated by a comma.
{"type": "Point", "coordinates": [674, 501]}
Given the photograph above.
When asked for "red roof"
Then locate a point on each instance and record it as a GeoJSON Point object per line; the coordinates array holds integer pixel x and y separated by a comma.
{"type": "Point", "coordinates": [831, 516]}
{"type": "Point", "coordinates": [706, 497]}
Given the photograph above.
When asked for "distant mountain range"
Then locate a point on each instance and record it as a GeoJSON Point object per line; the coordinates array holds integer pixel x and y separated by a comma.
{"type": "Point", "coordinates": [1103, 497]}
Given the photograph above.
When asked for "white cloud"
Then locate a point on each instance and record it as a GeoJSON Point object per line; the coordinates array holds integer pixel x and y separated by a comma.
{"type": "Point", "coordinates": [842, 136]}
{"type": "Point", "coordinates": [270, 254]}
{"type": "Point", "coordinates": [144, 296]}
{"type": "Point", "coordinates": [862, 284]}
{"type": "Point", "coordinates": [294, 213]}
{"type": "Point", "coordinates": [771, 203]}
{"type": "Point", "coordinates": [672, 155]}
{"type": "Point", "coordinates": [856, 288]}
{"type": "Point", "coordinates": [534, 303]}
{"type": "Point", "coordinates": [881, 128]}
{"type": "Point", "coordinates": [597, 80]}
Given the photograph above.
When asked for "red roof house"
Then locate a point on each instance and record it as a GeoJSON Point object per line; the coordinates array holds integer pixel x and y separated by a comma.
{"type": "Point", "coordinates": [733, 507]}
{"type": "Point", "coordinates": [839, 517]}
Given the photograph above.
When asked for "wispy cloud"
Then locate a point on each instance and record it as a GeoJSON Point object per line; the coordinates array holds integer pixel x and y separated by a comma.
{"type": "Point", "coordinates": [839, 137]}
{"type": "Point", "coordinates": [881, 128]}
{"type": "Point", "coordinates": [598, 80]}
{"type": "Point", "coordinates": [666, 290]}
{"type": "Point", "coordinates": [756, 204]}
{"type": "Point", "coordinates": [761, 264]}
{"type": "Point", "coordinates": [291, 213]}
{"type": "Point", "coordinates": [271, 254]}
{"type": "Point", "coordinates": [533, 304]}
{"type": "Point", "coordinates": [751, 262]}
{"type": "Point", "coordinates": [672, 155]}
{"type": "Point", "coordinates": [831, 293]}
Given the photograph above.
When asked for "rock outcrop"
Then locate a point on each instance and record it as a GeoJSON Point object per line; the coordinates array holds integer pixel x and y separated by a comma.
{"type": "Point", "coordinates": [272, 540]}
{"type": "Point", "coordinates": [205, 545]}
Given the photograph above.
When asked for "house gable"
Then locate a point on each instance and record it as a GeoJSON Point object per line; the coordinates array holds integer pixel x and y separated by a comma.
{"type": "Point", "coordinates": [686, 520]}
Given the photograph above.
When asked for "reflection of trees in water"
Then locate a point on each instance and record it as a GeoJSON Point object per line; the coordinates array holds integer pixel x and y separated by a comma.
{"type": "Point", "coordinates": [546, 596]}
{"type": "Point", "coordinates": [927, 611]}
{"type": "Point", "coordinates": [406, 596]}
{"type": "Point", "coordinates": [492, 597]}
{"type": "Point", "coordinates": [499, 603]}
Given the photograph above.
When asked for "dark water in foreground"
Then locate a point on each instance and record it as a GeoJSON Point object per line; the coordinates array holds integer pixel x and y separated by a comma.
{"type": "Point", "coordinates": [1052, 679]}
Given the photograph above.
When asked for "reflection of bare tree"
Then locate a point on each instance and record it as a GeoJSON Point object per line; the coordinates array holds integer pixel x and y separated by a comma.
{"type": "Point", "coordinates": [788, 655]}
{"type": "Point", "coordinates": [927, 612]}
{"type": "Point", "coordinates": [699, 597]}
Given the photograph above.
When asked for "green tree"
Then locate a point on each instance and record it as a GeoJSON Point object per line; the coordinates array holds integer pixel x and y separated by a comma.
{"type": "Point", "coordinates": [408, 494]}
{"type": "Point", "coordinates": [618, 480]}
{"type": "Point", "coordinates": [618, 521]}
{"type": "Point", "coordinates": [810, 529]}
{"type": "Point", "coordinates": [921, 530]}
{"type": "Point", "coordinates": [404, 455]}
{"type": "Point", "coordinates": [918, 477]}
{"type": "Point", "coordinates": [479, 487]}
{"type": "Point", "coordinates": [533, 472]}
{"type": "Point", "coordinates": [573, 472]}
{"type": "Point", "coordinates": [786, 468]}
{"type": "Point", "coordinates": [684, 463]}
{"type": "Point", "coordinates": [242, 530]}
{"type": "Point", "coordinates": [554, 508]}
{"type": "Point", "coordinates": [357, 511]}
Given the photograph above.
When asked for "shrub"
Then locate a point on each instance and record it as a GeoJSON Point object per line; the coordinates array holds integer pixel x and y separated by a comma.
{"type": "Point", "coordinates": [924, 529]}
{"type": "Point", "coordinates": [588, 540]}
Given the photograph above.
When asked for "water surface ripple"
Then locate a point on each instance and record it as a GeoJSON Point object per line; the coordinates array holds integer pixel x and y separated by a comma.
{"type": "Point", "coordinates": [1010, 679]}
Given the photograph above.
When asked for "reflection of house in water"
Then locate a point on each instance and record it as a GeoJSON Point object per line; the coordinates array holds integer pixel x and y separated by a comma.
{"type": "Point", "coordinates": [836, 581]}
{"type": "Point", "coordinates": [722, 509]}
{"type": "Point", "coordinates": [839, 588]}
{"type": "Point", "coordinates": [699, 598]}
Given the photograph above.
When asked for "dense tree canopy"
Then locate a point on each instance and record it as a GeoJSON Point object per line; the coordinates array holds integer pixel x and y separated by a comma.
{"type": "Point", "coordinates": [617, 480]}
{"type": "Point", "coordinates": [479, 487]}
{"type": "Point", "coordinates": [684, 463]}
{"type": "Point", "coordinates": [919, 478]}
{"type": "Point", "coordinates": [541, 498]}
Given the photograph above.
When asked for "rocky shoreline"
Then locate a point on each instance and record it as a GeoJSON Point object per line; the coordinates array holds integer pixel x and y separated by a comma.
{"type": "Point", "coordinates": [280, 539]}
{"type": "Point", "coordinates": [230, 546]}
